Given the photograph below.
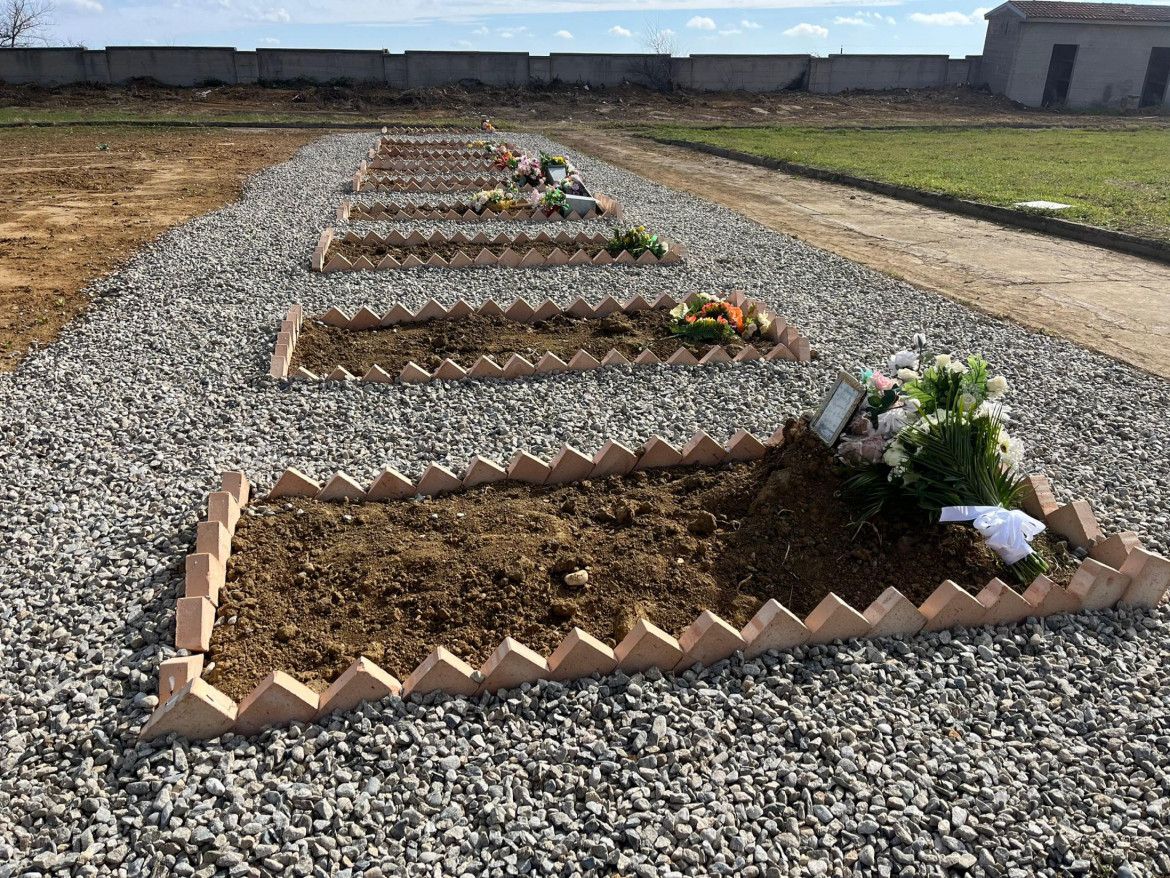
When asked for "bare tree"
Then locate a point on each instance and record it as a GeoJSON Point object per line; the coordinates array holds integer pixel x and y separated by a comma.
{"type": "Point", "coordinates": [661, 44]}
{"type": "Point", "coordinates": [24, 22]}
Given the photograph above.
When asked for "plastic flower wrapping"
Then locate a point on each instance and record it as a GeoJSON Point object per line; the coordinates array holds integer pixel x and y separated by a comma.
{"type": "Point", "coordinates": [709, 318]}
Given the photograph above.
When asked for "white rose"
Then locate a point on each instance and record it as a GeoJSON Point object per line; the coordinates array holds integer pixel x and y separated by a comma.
{"type": "Point", "coordinates": [895, 456]}
{"type": "Point", "coordinates": [907, 375]}
{"type": "Point", "coordinates": [942, 360]}
{"type": "Point", "coordinates": [968, 401]}
{"type": "Point", "coordinates": [957, 366]}
{"type": "Point", "coordinates": [997, 386]}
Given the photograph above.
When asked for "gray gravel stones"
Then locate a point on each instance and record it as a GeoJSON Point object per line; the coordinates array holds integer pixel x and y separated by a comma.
{"type": "Point", "coordinates": [1037, 751]}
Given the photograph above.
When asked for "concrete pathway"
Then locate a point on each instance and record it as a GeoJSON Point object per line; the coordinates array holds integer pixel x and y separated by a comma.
{"type": "Point", "coordinates": [1109, 302]}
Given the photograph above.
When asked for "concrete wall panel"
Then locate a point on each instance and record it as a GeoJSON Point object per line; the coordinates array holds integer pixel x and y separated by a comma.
{"type": "Point", "coordinates": [44, 66]}
{"type": "Point", "coordinates": [172, 65]}
{"type": "Point", "coordinates": [247, 67]}
{"type": "Point", "coordinates": [838, 73]}
{"type": "Point", "coordinates": [427, 69]}
{"type": "Point", "coordinates": [97, 68]}
{"type": "Point", "coordinates": [603, 71]}
{"type": "Point", "coordinates": [756, 73]}
{"type": "Point", "coordinates": [320, 65]}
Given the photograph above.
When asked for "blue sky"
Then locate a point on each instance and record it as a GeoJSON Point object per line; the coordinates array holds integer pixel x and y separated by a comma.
{"type": "Point", "coordinates": [535, 26]}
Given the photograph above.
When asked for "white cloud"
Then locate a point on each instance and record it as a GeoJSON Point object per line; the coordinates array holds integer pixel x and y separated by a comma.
{"type": "Point", "coordinates": [618, 31]}
{"type": "Point", "coordinates": [270, 41]}
{"type": "Point", "coordinates": [480, 32]}
{"type": "Point", "coordinates": [563, 34]}
{"type": "Point", "coordinates": [730, 33]}
{"type": "Point", "coordinates": [804, 29]}
{"type": "Point", "coordinates": [949, 19]}
{"type": "Point", "coordinates": [463, 44]}
{"type": "Point", "coordinates": [279, 16]}
{"type": "Point", "coordinates": [85, 6]}
{"type": "Point", "coordinates": [750, 25]}
{"type": "Point", "coordinates": [864, 19]}
{"type": "Point", "coordinates": [700, 22]}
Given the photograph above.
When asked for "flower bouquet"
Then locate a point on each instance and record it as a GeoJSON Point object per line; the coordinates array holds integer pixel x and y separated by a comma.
{"type": "Point", "coordinates": [935, 437]}
{"type": "Point", "coordinates": [498, 200]}
{"type": "Point", "coordinates": [636, 241]}
{"type": "Point", "coordinates": [550, 201]}
{"type": "Point", "coordinates": [708, 318]}
{"type": "Point", "coordinates": [556, 167]}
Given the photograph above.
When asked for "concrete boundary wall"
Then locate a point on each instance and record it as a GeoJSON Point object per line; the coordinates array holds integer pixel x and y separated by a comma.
{"type": "Point", "coordinates": [172, 65]}
{"type": "Point", "coordinates": [320, 65]}
{"type": "Point", "coordinates": [192, 66]}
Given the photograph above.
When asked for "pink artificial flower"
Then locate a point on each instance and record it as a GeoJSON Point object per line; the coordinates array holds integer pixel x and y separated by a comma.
{"type": "Point", "coordinates": [881, 382]}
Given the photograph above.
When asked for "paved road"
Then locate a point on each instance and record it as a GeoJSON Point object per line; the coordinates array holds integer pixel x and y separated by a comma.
{"type": "Point", "coordinates": [1109, 302]}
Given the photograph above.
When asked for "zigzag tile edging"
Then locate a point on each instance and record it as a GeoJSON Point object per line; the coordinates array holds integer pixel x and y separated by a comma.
{"type": "Point", "coordinates": [382, 181]}
{"type": "Point", "coordinates": [787, 342]}
{"type": "Point", "coordinates": [438, 128]}
{"type": "Point", "coordinates": [416, 165]}
{"type": "Point", "coordinates": [446, 150]}
{"type": "Point", "coordinates": [510, 258]}
{"type": "Point", "coordinates": [194, 709]}
{"type": "Point", "coordinates": [379, 211]}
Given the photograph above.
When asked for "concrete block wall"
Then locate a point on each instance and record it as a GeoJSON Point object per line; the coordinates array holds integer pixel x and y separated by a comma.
{"type": "Point", "coordinates": [838, 73]}
{"type": "Point", "coordinates": [321, 65]}
{"type": "Point", "coordinates": [601, 71]}
{"type": "Point", "coordinates": [427, 69]}
{"type": "Point", "coordinates": [42, 66]}
{"type": "Point", "coordinates": [172, 65]}
{"type": "Point", "coordinates": [756, 73]}
{"type": "Point", "coordinates": [190, 66]}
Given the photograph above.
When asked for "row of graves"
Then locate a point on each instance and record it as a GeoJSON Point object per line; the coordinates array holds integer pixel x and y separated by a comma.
{"type": "Point", "coordinates": [898, 506]}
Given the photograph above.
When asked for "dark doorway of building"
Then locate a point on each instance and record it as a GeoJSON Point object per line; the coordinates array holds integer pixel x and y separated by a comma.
{"type": "Point", "coordinates": [1060, 70]}
{"type": "Point", "coordinates": [1157, 74]}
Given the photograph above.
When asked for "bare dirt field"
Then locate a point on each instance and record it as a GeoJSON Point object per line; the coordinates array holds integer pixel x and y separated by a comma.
{"type": "Point", "coordinates": [77, 202]}
{"type": "Point", "coordinates": [529, 106]}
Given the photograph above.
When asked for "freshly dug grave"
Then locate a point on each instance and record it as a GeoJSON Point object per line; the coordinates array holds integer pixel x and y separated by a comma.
{"type": "Point", "coordinates": [375, 252]}
{"type": "Point", "coordinates": [318, 584]}
{"type": "Point", "coordinates": [320, 348]}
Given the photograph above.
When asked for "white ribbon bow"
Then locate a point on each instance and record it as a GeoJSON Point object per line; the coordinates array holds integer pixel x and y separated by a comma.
{"type": "Point", "coordinates": [1007, 531]}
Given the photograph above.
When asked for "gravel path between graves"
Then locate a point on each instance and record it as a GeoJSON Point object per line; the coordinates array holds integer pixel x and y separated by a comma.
{"type": "Point", "coordinates": [1039, 750]}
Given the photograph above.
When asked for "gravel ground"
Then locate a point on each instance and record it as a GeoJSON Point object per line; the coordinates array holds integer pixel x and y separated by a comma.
{"type": "Point", "coordinates": [1041, 750]}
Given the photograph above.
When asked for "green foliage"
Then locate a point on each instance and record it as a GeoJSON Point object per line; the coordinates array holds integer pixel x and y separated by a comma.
{"type": "Point", "coordinates": [636, 240]}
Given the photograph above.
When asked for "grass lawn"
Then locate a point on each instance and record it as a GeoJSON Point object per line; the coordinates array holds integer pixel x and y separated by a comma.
{"type": "Point", "coordinates": [1119, 179]}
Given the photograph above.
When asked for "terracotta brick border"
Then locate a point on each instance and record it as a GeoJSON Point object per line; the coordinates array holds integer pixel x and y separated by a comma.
{"type": "Point", "coordinates": [470, 258]}
{"type": "Point", "coordinates": [784, 342]}
{"type": "Point", "coordinates": [386, 211]}
{"type": "Point", "coordinates": [194, 709]}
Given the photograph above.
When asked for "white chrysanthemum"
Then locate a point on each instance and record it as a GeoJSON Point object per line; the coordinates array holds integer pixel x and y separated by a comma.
{"type": "Point", "coordinates": [895, 456]}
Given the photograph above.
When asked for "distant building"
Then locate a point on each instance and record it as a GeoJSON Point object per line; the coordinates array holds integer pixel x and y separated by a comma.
{"type": "Point", "coordinates": [1044, 53]}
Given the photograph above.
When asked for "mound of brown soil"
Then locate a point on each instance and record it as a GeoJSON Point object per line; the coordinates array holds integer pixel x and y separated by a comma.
{"type": "Point", "coordinates": [320, 348]}
{"type": "Point", "coordinates": [315, 586]}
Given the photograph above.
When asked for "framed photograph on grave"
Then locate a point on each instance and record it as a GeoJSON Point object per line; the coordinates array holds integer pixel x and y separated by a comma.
{"type": "Point", "coordinates": [837, 407]}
